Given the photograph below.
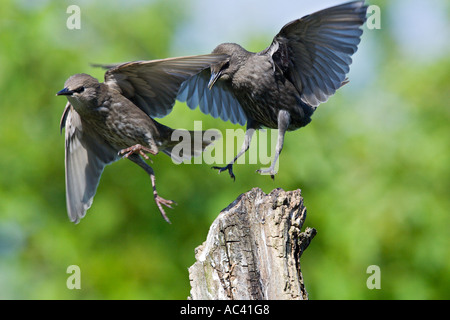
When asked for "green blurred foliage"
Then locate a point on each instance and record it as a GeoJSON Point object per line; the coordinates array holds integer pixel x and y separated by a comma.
{"type": "Point", "coordinates": [373, 167]}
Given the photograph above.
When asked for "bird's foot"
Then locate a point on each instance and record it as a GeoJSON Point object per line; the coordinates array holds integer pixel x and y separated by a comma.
{"type": "Point", "coordinates": [138, 149]}
{"type": "Point", "coordinates": [229, 167]}
{"type": "Point", "coordinates": [160, 202]}
{"type": "Point", "coordinates": [270, 171]}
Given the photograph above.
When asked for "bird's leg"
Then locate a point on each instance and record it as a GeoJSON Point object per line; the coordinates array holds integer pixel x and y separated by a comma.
{"type": "Point", "coordinates": [248, 138]}
{"type": "Point", "coordinates": [159, 201]}
{"type": "Point", "coordinates": [283, 124]}
{"type": "Point", "coordinates": [137, 148]}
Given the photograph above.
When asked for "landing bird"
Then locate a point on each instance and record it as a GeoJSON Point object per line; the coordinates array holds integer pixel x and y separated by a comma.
{"type": "Point", "coordinates": [105, 121]}
{"type": "Point", "coordinates": [281, 86]}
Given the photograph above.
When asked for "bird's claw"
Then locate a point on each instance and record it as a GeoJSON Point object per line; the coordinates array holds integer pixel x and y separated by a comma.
{"type": "Point", "coordinates": [229, 167]}
{"type": "Point", "coordinates": [168, 203]}
{"type": "Point", "coordinates": [138, 149]}
{"type": "Point", "coordinates": [270, 171]}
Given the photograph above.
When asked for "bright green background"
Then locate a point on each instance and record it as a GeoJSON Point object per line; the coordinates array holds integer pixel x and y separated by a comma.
{"type": "Point", "coordinates": [373, 167]}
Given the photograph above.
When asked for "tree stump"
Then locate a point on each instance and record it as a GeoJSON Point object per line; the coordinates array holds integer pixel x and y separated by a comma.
{"type": "Point", "coordinates": [253, 250]}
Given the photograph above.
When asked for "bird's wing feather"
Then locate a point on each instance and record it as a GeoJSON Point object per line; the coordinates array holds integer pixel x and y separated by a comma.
{"type": "Point", "coordinates": [218, 102]}
{"type": "Point", "coordinates": [153, 85]}
{"type": "Point", "coordinates": [314, 52]}
{"type": "Point", "coordinates": [62, 122]}
{"type": "Point", "coordinates": [86, 155]}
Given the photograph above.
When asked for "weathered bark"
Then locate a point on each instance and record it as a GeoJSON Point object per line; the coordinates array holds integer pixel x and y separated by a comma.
{"type": "Point", "coordinates": [253, 249]}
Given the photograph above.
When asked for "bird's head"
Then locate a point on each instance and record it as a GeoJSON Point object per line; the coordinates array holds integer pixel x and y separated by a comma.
{"type": "Point", "coordinates": [81, 90]}
{"type": "Point", "coordinates": [226, 68]}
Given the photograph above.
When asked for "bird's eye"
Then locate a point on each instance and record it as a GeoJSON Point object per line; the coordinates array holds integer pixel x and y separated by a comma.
{"type": "Point", "coordinates": [79, 89]}
{"type": "Point", "coordinates": [225, 65]}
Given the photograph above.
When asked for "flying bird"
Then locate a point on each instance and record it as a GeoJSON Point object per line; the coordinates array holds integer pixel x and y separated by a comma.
{"type": "Point", "coordinates": [281, 86]}
{"type": "Point", "coordinates": [114, 119]}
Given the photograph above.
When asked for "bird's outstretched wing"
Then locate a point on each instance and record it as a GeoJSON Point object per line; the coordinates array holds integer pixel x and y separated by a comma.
{"type": "Point", "coordinates": [314, 52]}
{"type": "Point", "coordinates": [153, 85]}
{"type": "Point", "coordinates": [86, 155]}
{"type": "Point", "coordinates": [219, 101]}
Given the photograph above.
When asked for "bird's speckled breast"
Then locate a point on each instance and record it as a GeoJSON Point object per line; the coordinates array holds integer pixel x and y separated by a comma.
{"type": "Point", "coordinates": [121, 128]}
{"type": "Point", "coordinates": [262, 93]}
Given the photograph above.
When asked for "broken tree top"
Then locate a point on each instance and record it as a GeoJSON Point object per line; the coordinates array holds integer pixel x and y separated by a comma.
{"type": "Point", "coordinates": [253, 249]}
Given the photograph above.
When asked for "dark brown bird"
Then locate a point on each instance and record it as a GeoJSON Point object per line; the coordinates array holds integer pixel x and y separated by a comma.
{"type": "Point", "coordinates": [107, 120]}
{"type": "Point", "coordinates": [281, 86]}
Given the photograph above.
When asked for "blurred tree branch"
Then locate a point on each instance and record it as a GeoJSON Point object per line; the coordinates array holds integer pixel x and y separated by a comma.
{"type": "Point", "coordinates": [253, 249]}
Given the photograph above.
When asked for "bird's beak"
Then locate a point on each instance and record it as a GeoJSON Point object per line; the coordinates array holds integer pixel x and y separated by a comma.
{"type": "Point", "coordinates": [64, 92]}
{"type": "Point", "coordinates": [214, 77]}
